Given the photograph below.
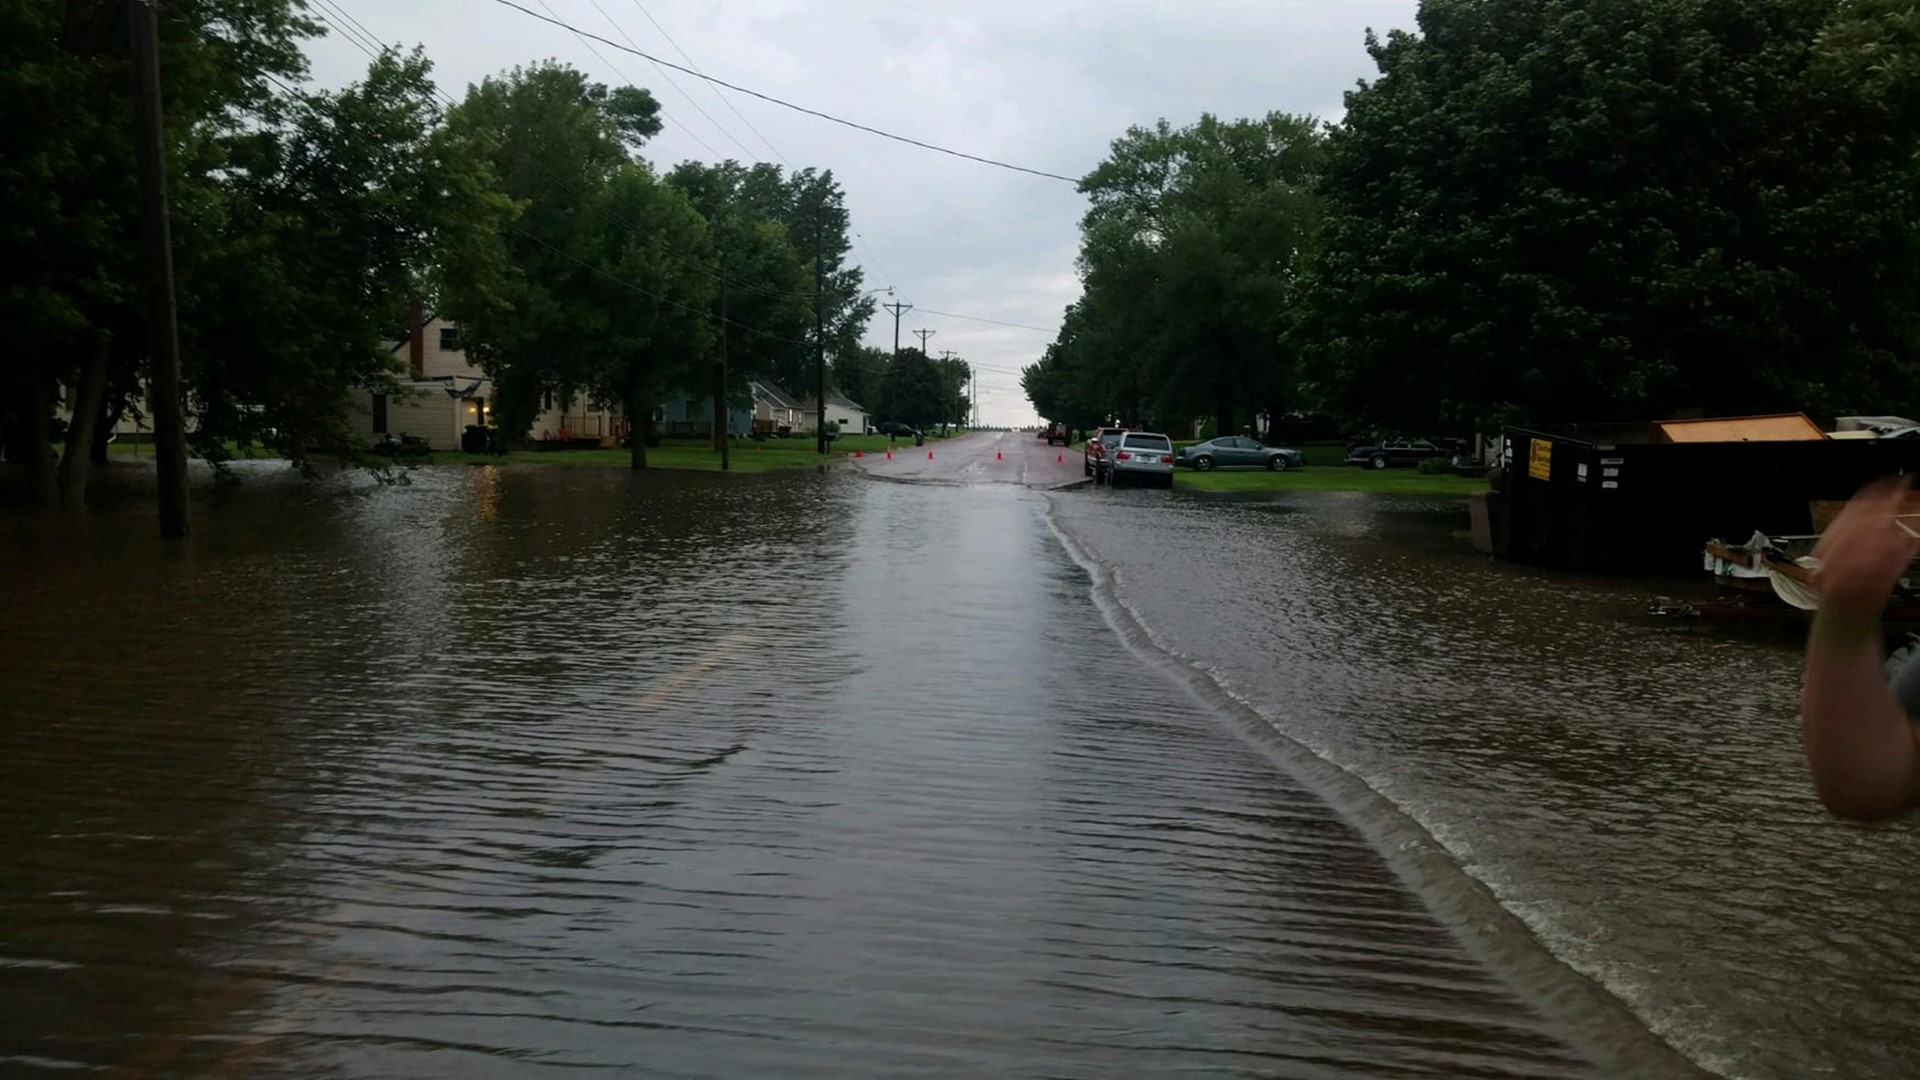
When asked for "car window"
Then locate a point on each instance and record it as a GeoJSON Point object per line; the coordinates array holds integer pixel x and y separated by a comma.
{"type": "Point", "coordinates": [1149, 442]}
{"type": "Point", "coordinates": [1111, 438]}
{"type": "Point", "coordinates": [1422, 444]}
{"type": "Point", "coordinates": [1246, 444]}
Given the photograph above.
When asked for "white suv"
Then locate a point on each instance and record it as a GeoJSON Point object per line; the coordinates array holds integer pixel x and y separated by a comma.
{"type": "Point", "coordinates": [1143, 455]}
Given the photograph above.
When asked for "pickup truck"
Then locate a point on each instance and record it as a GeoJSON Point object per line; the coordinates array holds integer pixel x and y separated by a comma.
{"type": "Point", "coordinates": [1099, 448]}
{"type": "Point", "coordinates": [1056, 433]}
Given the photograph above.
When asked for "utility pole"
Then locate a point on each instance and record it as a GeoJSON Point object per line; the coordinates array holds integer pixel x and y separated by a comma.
{"type": "Point", "coordinates": [924, 335]}
{"type": "Point", "coordinates": [720, 391]}
{"type": "Point", "coordinates": [946, 357]}
{"type": "Point", "coordinates": [819, 344]}
{"type": "Point", "coordinates": [156, 243]}
{"type": "Point", "coordinates": [898, 310]}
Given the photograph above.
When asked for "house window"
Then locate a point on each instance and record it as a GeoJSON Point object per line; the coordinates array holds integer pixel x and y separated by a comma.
{"type": "Point", "coordinates": [546, 401]}
{"type": "Point", "coordinates": [379, 414]}
{"type": "Point", "coordinates": [449, 339]}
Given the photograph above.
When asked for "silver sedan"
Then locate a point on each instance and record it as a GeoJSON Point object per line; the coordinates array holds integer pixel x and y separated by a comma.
{"type": "Point", "coordinates": [1233, 451]}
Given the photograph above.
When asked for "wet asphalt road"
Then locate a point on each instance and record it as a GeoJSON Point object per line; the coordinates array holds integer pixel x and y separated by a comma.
{"type": "Point", "coordinates": [528, 770]}
{"type": "Point", "coordinates": [985, 457]}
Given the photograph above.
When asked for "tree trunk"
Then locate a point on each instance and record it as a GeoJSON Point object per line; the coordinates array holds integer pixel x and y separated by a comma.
{"type": "Point", "coordinates": [88, 403]}
{"type": "Point", "coordinates": [640, 425]}
{"type": "Point", "coordinates": [40, 486]}
{"type": "Point", "coordinates": [102, 435]}
{"type": "Point", "coordinates": [719, 408]}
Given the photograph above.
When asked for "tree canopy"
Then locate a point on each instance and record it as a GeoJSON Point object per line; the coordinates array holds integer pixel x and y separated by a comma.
{"type": "Point", "coordinates": [1190, 254]}
{"type": "Point", "coordinates": [1601, 209]}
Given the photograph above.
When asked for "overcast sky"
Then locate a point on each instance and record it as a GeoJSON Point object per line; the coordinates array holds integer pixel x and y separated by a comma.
{"type": "Point", "coordinates": [1042, 83]}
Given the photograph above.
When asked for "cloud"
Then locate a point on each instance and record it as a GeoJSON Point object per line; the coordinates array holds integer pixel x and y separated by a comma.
{"type": "Point", "coordinates": [1043, 83]}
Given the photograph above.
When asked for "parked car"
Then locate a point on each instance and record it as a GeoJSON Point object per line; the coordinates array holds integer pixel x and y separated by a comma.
{"type": "Point", "coordinates": [1394, 453]}
{"type": "Point", "coordinates": [1143, 456]}
{"type": "Point", "coordinates": [1234, 451]}
{"type": "Point", "coordinates": [903, 431]}
{"type": "Point", "coordinates": [1057, 433]}
{"type": "Point", "coordinates": [1099, 445]}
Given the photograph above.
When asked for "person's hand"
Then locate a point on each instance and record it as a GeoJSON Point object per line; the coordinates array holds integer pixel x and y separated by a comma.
{"type": "Point", "coordinates": [1863, 555]}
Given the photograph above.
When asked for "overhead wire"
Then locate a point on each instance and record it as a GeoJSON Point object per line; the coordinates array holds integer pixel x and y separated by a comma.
{"type": "Point", "coordinates": [676, 86]}
{"type": "Point", "coordinates": [583, 36]}
{"type": "Point", "coordinates": [724, 99]}
{"type": "Point", "coordinates": [782, 102]}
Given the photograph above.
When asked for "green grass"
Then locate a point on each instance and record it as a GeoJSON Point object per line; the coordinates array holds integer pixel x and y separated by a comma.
{"type": "Point", "coordinates": [1334, 478]}
{"type": "Point", "coordinates": [688, 454]}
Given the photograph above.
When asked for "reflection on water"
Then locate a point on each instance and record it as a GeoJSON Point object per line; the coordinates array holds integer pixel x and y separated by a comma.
{"type": "Point", "coordinates": [1635, 795]}
{"type": "Point", "coordinates": [522, 769]}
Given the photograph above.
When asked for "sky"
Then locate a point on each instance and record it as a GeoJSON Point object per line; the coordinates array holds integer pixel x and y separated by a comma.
{"type": "Point", "coordinates": [1047, 84]}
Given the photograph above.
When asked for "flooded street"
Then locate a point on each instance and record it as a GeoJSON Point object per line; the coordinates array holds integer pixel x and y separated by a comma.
{"type": "Point", "coordinates": [540, 769]}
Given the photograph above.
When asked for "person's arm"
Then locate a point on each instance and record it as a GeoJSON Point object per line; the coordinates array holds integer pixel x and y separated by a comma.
{"type": "Point", "coordinates": [1863, 750]}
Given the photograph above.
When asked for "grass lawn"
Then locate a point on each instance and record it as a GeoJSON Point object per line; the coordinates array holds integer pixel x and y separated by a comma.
{"type": "Point", "coordinates": [690, 454]}
{"type": "Point", "coordinates": [1333, 478]}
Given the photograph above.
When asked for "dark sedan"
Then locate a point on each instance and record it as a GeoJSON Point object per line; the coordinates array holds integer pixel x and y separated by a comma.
{"type": "Point", "coordinates": [1235, 452]}
{"type": "Point", "coordinates": [1396, 453]}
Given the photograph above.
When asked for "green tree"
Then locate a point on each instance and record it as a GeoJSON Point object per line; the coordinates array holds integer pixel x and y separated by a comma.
{"type": "Point", "coordinates": [555, 141]}
{"type": "Point", "coordinates": [768, 286]}
{"type": "Point", "coordinates": [911, 391]}
{"type": "Point", "coordinates": [1190, 256]}
{"type": "Point", "coordinates": [69, 260]}
{"type": "Point", "coordinates": [649, 304]}
{"type": "Point", "coordinates": [302, 261]}
{"type": "Point", "coordinates": [858, 375]}
{"type": "Point", "coordinates": [1577, 209]}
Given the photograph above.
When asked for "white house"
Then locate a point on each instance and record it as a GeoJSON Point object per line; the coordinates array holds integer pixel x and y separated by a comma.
{"type": "Point", "coordinates": [444, 392]}
{"type": "Point", "coordinates": [851, 417]}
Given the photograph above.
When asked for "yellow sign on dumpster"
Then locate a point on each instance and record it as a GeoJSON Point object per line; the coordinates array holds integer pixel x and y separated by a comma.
{"type": "Point", "coordinates": [1540, 463]}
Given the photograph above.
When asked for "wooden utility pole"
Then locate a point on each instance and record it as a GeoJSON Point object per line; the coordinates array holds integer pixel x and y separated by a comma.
{"type": "Point", "coordinates": [720, 392]}
{"type": "Point", "coordinates": [819, 345]}
{"type": "Point", "coordinates": [898, 310]}
{"type": "Point", "coordinates": [156, 242]}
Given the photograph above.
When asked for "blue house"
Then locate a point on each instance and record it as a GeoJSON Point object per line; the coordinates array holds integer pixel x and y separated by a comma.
{"type": "Point", "coordinates": [683, 415]}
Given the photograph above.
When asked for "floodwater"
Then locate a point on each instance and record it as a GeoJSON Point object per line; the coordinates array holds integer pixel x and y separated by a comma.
{"type": "Point", "coordinates": [1635, 796]}
{"type": "Point", "coordinates": [538, 769]}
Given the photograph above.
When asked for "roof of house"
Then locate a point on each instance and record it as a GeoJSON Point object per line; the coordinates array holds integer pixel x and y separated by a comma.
{"type": "Point", "coordinates": [1784, 427]}
{"type": "Point", "coordinates": [773, 395]}
{"type": "Point", "coordinates": [834, 398]}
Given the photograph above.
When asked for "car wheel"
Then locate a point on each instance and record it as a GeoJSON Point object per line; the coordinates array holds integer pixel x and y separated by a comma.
{"type": "Point", "coordinates": [1113, 479]}
{"type": "Point", "coordinates": [1166, 482]}
{"type": "Point", "coordinates": [1203, 463]}
{"type": "Point", "coordinates": [1379, 462]}
{"type": "Point", "coordinates": [1276, 463]}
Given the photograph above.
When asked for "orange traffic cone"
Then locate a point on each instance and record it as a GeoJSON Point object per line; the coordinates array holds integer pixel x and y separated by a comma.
{"type": "Point", "coordinates": [929, 455]}
{"type": "Point", "coordinates": [1059, 459]}
{"type": "Point", "coordinates": [889, 455]}
{"type": "Point", "coordinates": [996, 455]}
{"type": "Point", "coordinates": [857, 453]}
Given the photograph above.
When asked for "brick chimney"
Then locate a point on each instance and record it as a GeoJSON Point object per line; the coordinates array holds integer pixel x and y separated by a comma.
{"type": "Point", "coordinates": [417, 340]}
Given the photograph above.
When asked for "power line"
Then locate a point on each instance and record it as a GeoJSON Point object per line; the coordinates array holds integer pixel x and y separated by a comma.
{"type": "Point", "coordinates": [583, 35]}
{"type": "Point", "coordinates": [724, 99]}
{"type": "Point", "coordinates": [355, 34]}
{"type": "Point", "coordinates": [996, 322]}
{"type": "Point", "coordinates": [676, 86]}
{"type": "Point", "coordinates": [788, 104]}
{"type": "Point", "coordinates": [341, 12]}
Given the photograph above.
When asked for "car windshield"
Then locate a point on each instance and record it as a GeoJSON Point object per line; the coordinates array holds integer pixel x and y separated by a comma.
{"type": "Point", "coordinates": [1148, 442]}
{"type": "Point", "coordinates": [1111, 438]}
